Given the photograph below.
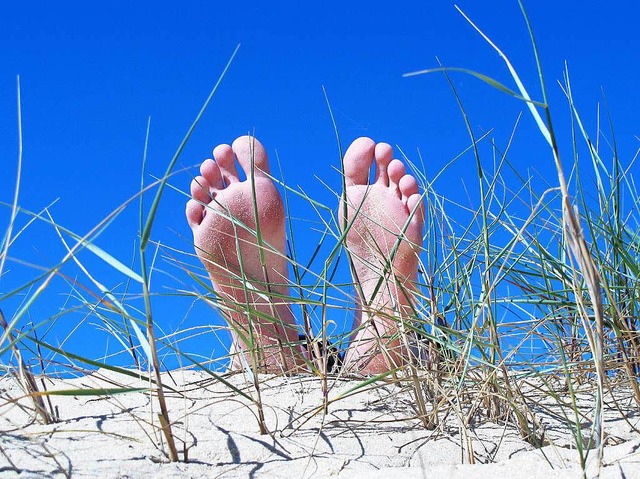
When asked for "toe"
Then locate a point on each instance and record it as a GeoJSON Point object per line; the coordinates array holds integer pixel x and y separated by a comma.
{"type": "Point", "coordinates": [357, 161]}
{"type": "Point", "coordinates": [195, 213]}
{"type": "Point", "coordinates": [408, 186]}
{"type": "Point", "coordinates": [200, 190]}
{"type": "Point", "coordinates": [250, 152]}
{"type": "Point", "coordinates": [211, 172]}
{"type": "Point", "coordinates": [223, 154]}
{"type": "Point", "coordinates": [411, 196]}
{"type": "Point", "coordinates": [383, 155]}
{"type": "Point", "coordinates": [415, 203]}
{"type": "Point", "coordinates": [396, 172]}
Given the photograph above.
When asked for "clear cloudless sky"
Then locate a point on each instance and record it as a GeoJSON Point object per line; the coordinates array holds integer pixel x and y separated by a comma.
{"type": "Point", "coordinates": [91, 73]}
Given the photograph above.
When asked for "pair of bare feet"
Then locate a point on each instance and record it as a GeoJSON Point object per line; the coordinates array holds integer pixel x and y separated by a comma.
{"type": "Point", "coordinates": [239, 235]}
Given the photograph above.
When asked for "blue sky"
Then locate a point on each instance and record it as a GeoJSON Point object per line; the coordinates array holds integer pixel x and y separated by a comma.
{"type": "Point", "coordinates": [92, 73]}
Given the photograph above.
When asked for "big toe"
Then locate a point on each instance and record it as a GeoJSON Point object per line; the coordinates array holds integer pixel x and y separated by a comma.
{"type": "Point", "coordinates": [251, 155]}
{"type": "Point", "coordinates": [357, 161]}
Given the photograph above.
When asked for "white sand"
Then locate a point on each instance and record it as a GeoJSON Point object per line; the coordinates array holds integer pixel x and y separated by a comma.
{"type": "Point", "coordinates": [372, 434]}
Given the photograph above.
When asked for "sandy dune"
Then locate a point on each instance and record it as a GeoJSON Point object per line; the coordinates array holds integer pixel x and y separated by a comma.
{"type": "Point", "coordinates": [371, 433]}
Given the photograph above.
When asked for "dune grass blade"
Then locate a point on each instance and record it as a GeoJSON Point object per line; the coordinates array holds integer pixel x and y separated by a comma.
{"type": "Point", "coordinates": [152, 355]}
{"type": "Point", "coordinates": [523, 91]}
{"type": "Point", "coordinates": [343, 228]}
{"type": "Point", "coordinates": [24, 374]}
{"type": "Point", "coordinates": [219, 378]}
{"type": "Point", "coordinates": [91, 391]}
{"type": "Point", "coordinates": [490, 81]}
{"type": "Point", "coordinates": [363, 384]}
{"type": "Point", "coordinates": [6, 241]}
{"type": "Point", "coordinates": [26, 378]}
{"type": "Point", "coordinates": [311, 345]}
{"type": "Point", "coordinates": [146, 231]}
{"type": "Point", "coordinates": [106, 257]}
{"type": "Point", "coordinates": [92, 362]}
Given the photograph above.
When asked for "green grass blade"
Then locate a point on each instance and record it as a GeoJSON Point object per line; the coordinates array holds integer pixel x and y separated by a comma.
{"type": "Point", "coordinates": [490, 81]}
{"type": "Point", "coordinates": [146, 233]}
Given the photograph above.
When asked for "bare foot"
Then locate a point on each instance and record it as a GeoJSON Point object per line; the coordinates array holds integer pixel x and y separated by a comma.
{"type": "Point", "coordinates": [385, 267]}
{"type": "Point", "coordinates": [249, 274]}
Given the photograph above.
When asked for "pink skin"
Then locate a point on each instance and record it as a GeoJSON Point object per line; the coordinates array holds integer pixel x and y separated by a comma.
{"type": "Point", "coordinates": [381, 211]}
{"type": "Point", "coordinates": [218, 194]}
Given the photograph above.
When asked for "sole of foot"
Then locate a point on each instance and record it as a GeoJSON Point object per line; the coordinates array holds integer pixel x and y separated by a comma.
{"type": "Point", "coordinates": [384, 221]}
{"type": "Point", "coordinates": [239, 235]}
